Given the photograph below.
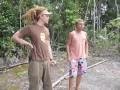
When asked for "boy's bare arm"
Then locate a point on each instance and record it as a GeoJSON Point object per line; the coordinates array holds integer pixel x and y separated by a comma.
{"type": "Point", "coordinates": [67, 46]}
{"type": "Point", "coordinates": [16, 37]}
{"type": "Point", "coordinates": [86, 48]}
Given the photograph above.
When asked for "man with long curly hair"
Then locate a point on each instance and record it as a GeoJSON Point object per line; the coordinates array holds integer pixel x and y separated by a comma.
{"type": "Point", "coordinates": [41, 53]}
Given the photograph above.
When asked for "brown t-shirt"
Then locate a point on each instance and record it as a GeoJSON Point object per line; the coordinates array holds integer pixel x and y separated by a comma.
{"type": "Point", "coordinates": [39, 36]}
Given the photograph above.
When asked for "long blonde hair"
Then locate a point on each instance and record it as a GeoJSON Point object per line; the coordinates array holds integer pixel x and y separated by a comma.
{"type": "Point", "coordinates": [32, 15]}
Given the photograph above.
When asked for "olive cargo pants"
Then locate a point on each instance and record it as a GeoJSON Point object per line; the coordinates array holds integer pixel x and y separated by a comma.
{"type": "Point", "coordinates": [39, 75]}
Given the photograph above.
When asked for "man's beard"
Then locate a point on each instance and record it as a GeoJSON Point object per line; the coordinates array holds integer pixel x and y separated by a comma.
{"type": "Point", "coordinates": [46, 24]}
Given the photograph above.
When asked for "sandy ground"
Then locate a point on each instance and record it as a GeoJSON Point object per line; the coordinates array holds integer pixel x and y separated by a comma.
{"type": "Point", "coordinates": [105, 76]}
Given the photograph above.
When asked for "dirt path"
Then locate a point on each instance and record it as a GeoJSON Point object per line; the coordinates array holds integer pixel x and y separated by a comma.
{"type": "Point", "coordinates": [104, 76]}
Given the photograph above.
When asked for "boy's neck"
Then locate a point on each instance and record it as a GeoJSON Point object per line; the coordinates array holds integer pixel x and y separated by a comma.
{"type": "Point", "coordinates": [78, 30]}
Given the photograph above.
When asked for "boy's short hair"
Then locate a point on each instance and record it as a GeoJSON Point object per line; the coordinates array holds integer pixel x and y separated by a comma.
{"type": "Point", "coordinates": [77, 21]}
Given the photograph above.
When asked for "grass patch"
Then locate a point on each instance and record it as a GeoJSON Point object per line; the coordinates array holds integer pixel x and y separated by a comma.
{"type": "Point", "coordinates": [19, 71]}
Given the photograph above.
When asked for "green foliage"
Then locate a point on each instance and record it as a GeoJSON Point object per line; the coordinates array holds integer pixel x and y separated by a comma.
{"type": "Point", "coordinates": [109, 37]}
{"type": "Point", "coordinates": [62, 21]}
{"type": "Point", "coordinates": [6, 46]}
{"type": "Point", "coordinates": [113, 29]}
{"type": "Point", "coordinates": [9, 18]}
{"type": "Point", "coordinates": [8, 23]}
{"type": "Point", "coordinates": [114, 24]}
{"type": "Point", "coordinates": [72, 13]}
{"type": "Point", "coordinates": [20, 70]}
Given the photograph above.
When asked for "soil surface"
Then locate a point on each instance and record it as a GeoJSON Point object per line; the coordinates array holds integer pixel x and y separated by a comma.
{"type": "Point", "coordinates": [105, 76]}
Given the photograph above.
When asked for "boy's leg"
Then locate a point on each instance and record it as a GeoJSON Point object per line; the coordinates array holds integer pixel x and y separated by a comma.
{"type": "Point", "coordinates": [78, 79]}
{"type": "Point", "coordinates": [82, 67]}
{"type": "Point", "coordinates": [35, 72]}
{"type": "Point", "coordinates": [72, 74]}
{"type": "Point", "coordinates": [71, 83]}
{"type": "Point", "coordinates": [47, 84]}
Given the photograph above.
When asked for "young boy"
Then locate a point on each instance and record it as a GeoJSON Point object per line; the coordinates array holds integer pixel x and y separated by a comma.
{"type": "Point", "coordinates": [77, 52]}
{"type": "Point", "coordinates": [41, 54]}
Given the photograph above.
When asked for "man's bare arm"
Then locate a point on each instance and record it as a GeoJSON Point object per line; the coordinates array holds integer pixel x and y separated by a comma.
{"type": "Point", "coordinates": [50, 50]}
{"type": "Point", "coordinates": [53, 62]}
